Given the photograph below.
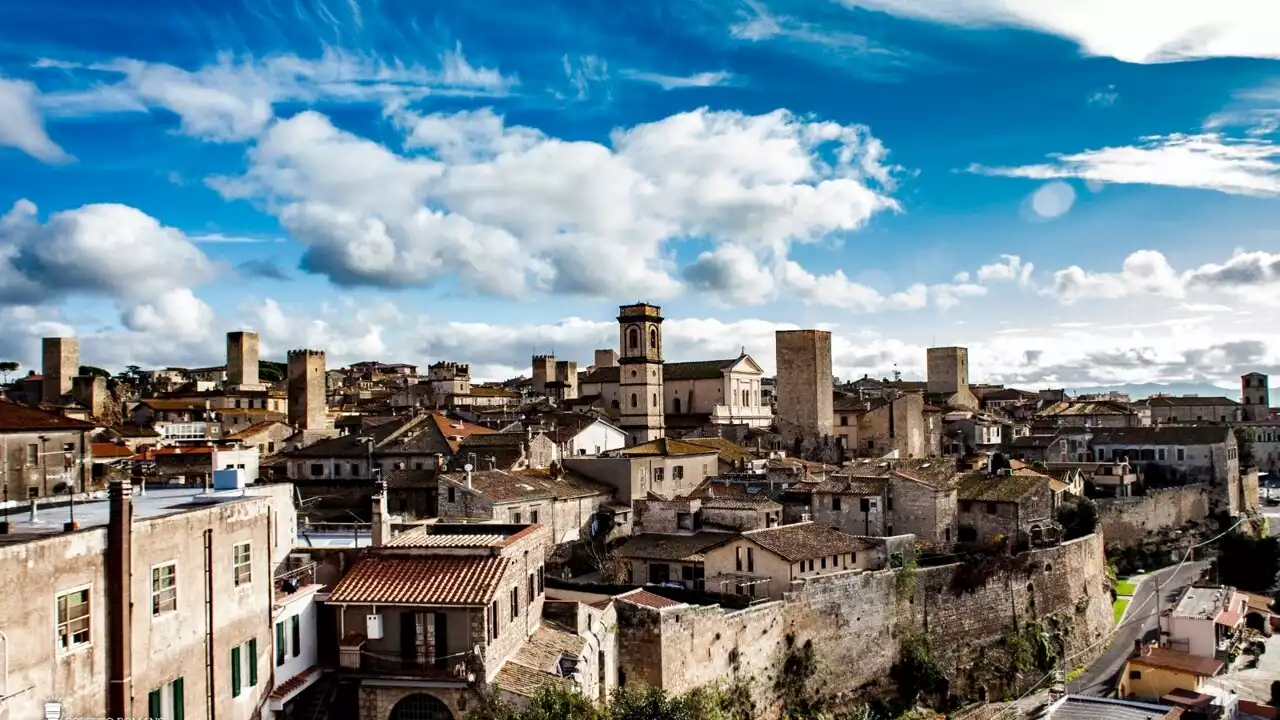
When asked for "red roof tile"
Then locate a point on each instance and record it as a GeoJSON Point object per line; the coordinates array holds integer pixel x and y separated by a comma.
{"type": "Point", "coordinates": [111, 450]}
{"type": "Point", "coordinates": [297, 682]}
{"type": "Point", "coordinates": [1167, 659]}
{"type": "Point", "coordinates": [440, 580]}
{"type": "Point", "coordinates": [20, 417]}
{"type": "Point", "coordinates": [648, 599]}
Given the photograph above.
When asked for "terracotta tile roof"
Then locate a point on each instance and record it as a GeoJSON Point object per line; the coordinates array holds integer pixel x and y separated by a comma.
{"type": "Point", "coordinates": [295, 683]}
{"type": "Point", "coordinates": [666, 447]}
{"type": "Point", "coordinates": [20, 417]}
{"type": "Point", "coordinates": [1257, 602]}
{"type": "Point", "coordinates": [675, 548]}
{"type": "Point", "coordinates": [698, 369]}
{"type": "Point", "coordinates": [522, 680]}
{"type": "Point", "coordinates": [935, 472]}
{"type": "Point", "coordinates": [163, 404]}
{"type": "Point", "coordinates": [753, 493]}
{"type": "Point", "coordinates": [1166, 659]}
{"type": "Point", "coordinates": [543, 649]}
{"type": "Point", "coordinates": [133, 431]}
{"type": "Point", "coordinates": [443, 580]}
{"type": "Point", "coordinates": [602, 376]}
{"type": "Point", "coordinates": [803, 541]}
{"type": "Point", "coordinates": [648, 599]}
{"type": "Point", "coordinates": [482, 391]}
{"type": "Point", "coordinates": [838, 485]}
{"type": "Point", "coordinates": [254, 429]}
{"type": "Point", "coordinates": [1194, 401]}
{"type": "Point", "coordinates": [1163, 435]}
{"type": "Point", "coordinates": [111, 451]}
{"type": "Point", "coordinates": [406, 478]}
{"type": "Point", "coordinates": [730, 451]}
{"type": "Point", "coordinates": [454, 431]}
{"type": "Point", "coordinates": [421, 537]}
{"type": "Point", "coordinates": [981, 487]}
{"type": "Point", "coordinates": [756, 502]}
{"type": "Point", "coordinates": [529, 484]}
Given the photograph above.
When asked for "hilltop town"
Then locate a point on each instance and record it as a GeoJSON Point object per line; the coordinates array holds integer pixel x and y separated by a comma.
{"type": "Point", "coordinates": [385, 541]}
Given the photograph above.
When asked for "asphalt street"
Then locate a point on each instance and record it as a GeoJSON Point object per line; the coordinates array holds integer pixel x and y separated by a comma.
{"type": "Point", "coordinates": [1101, 677]}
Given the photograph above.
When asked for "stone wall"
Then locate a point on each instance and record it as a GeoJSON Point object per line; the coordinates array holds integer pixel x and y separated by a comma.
{"type": "Point", "coordinates": [1129, 522]}
{"type": "Point", "coordinates": [857, 621]}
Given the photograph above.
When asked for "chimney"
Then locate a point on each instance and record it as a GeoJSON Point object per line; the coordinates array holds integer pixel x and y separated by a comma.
{"type": "Point", "coordinates": [991, 463]}
{"type": "Point", "coordinates": [468, 469]}
{"type": "Point", "coordinates": [119, 598]}
{"type": "Point", "coordinates": [381, 517]}
{"type": "Point", "coordinates": [711, 490]}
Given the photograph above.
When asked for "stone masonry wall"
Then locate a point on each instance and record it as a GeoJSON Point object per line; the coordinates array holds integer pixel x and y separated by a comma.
{"type": "Point", "coordinates": [857, 621]}
{"type": "Point", "coordinates": [1128, 522]}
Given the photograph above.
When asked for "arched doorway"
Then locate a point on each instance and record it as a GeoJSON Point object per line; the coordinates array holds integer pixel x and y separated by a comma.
{"type": "Point", "coordinates": [420, 706]}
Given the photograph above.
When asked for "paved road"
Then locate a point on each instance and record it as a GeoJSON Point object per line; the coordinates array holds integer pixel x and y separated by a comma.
{"type": "Point", "coordinates": [1139, 622]}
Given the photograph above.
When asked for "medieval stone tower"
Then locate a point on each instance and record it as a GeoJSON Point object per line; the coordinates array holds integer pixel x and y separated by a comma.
{"type": "Point", "coordinates": [242, 358]}
{"type": "Point", "coordinates": [307, 410]}
{"type": "Point", "coordinates": [948, 369]}
{"type": "Point", "coordinates": [805, 395]}
{"type": "Point", "coordinates": [640, 373]}
{"type": "Point", "coordinates": [566, 382]}
{"type": "Point", "coordinates": [61, 363]}
{"type": "Point", "coordinates": [1255, 393]}
{"type": "Point", "coordinates": [544, 371]}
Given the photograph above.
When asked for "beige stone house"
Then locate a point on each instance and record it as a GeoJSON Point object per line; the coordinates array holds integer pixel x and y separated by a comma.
{"type": "Point", "coordinates": [894, 426]}
{"type": "Point", "coordinates": [767, 563]}
{"type": "Point", "coordinates": [40, 450]}
{"type": "Point", "coordinates": [1191, 408]}
{"type": "Point", "coordinates": [269, 436]}
{"type": "Point", "coordinates": [668, 468]}
{"type": "Point", "coordinates": [1018, 505]}
{"type": "Point", "coordinates": [564, 501]}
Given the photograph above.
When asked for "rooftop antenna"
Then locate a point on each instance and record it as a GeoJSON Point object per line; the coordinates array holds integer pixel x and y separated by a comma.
{"type": "Point", "coordinates": [896, 374]}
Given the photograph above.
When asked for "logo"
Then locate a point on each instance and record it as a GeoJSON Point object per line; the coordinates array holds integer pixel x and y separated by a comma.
{"type": "Point", "coordinates": [53, 709]}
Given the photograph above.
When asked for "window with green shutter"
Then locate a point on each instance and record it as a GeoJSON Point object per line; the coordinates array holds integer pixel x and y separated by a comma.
{"type": "Point", "coordinates": [280, 647]}
{"type": "Point", "coordinates": [153, 704]}
{"type": "Point", "coordinates": [235, 671]}
{"type": "Point", "coordinates": [253, 662]}
{"type": "Point", "coordinates": [177, 699]}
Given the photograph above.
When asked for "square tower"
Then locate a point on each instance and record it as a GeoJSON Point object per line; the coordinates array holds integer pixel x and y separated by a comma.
{"type": "Point", "coordinates": [804, 386]}
{"type": "Point", "coordinates": [61, 363]}
{"type": "Point", "coordinates": [567, 378]}
{"type": "Point", "coordinates": [242, 358]}
{"type": "Point", "coordinates": [606, 358]}
{"type": "Point", "coordinates": [1255, 395]}
{"type": "Point", "coordinates": [544, 371]}
{"type": "Point", "coordinates": [640, 372]}
{"type": "Point", "coordinates": [948, 370]}
{"type": "Point", "coordinates": [306, 385]}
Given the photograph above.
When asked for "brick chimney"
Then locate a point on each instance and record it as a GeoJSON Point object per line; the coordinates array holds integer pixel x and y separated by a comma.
{"type": "Point", "coordinates": [119, 598]}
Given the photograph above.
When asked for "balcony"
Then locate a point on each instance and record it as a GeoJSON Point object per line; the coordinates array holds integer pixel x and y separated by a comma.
{"type": "Point", "coordinates": [355, 656]}
{"type": "Point", "coordinates": [751, 415]}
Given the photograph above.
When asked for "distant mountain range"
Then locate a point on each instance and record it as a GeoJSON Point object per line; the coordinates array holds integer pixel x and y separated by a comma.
{"type": "Point", "coordinates": [1137, 391]}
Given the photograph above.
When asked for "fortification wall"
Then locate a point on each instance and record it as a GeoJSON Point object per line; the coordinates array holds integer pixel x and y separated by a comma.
{"type": "Point", "coordinates": [857, 621]}
{"type": "Point", "coordinates": [1131, 522]}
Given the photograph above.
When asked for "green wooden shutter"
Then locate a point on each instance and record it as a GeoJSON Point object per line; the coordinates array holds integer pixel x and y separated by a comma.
{"type": "Point", "coordinates": [235, 671]}
{"type": "Point", "coordinates": [253, 662]}
{"type": "Point", "coordinates": [280, 647]}
{"type": "Point", "coordinates": [296, 633]}
{"type": "Point", "coordinates": [177, 699]}
{"type": "Point", "coordinates": [153, 704]}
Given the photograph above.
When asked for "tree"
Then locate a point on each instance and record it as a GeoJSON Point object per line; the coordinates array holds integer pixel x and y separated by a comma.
{"type": "Point", "coordinates": [8, 366]}
{"type": "Point", "coordinates": [1244, 447]}
{"type": "Point", "coordinates": [95, 371]}
{"type": "Point", "coordinates": [1248, 563]}
{"type": "Point", "coordinates": [1078, 518]}
{"type": "Point", "coordinates": [1275, 693]}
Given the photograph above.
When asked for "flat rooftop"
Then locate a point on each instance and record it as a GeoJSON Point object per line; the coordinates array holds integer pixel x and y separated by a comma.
{"type": "Point", "coordinates": [96, 513]}
{"type": "Point", "coordinates": [1201, 602]}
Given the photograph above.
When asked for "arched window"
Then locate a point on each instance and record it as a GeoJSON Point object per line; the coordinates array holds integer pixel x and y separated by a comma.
{"type": "Point", "coordinates": [655, 400]}
{"type": "Point", "coordinates": [421, 706]}
{"type": "Point", "coordinates": [676, 408]}
{"type": "Point", "coordinates": [746, 397]}
{"type": "Point", "coordinates": [633, 338]}
{"type": "Point", "coordinates": [653, 338]}
{"type": "Point", "coordinates": [634, 400]}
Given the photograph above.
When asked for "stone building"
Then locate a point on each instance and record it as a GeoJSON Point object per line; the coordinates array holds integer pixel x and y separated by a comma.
{"type": "Point", "coordinates": [948, 378]}
{"type": "Point", "coordinates": [896, 425]}
{"type": "Point", "coordinates": [242, 359]}
{"type": "Point", "coordinates": [160, 605]}
{"type": "Point", "coordinates": [697, 394]}
{"type": "Point", "coordinates": [1255, 394]}
{"type": "Point", "coordinates": [1015, 504]}
{"type": "Point", "coordinates": [1201, 453]}
{"type": "Point", "coordinates": [804, 384]}
{"type": "Point", "coordinates": [269, 436]}
{"type": "Point", "coordinates": [855, 505]}
{"type": "Point", "coordinates": [306, 382]}
{"type": "Point", "coordinates": [509, 450]}
{"type": "Point", "coordinates": [770, 562]}
{"type": "Point", "coordinates": [1167, 409]}
{"type": "Point", "coordinates": [43, 452]}
{"type": "Point", "coordinates": [563, 501]}
{"type": "Point", "coordinates": [61, 363]}
{"type": "Point", "coordinates": [411, 614]}
{"type": "Point", "coordinates": [921, 498]}
{"type": "Point", "coordinates": [669, 468]}
{"type": "Point", "coordinates": [415, 442]}
{"type": "Point", "coordinates": [1093, 414]}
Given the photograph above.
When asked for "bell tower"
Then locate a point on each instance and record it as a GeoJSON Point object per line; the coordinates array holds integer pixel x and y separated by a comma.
{"type": "Point", "coordinates": [640, 372]}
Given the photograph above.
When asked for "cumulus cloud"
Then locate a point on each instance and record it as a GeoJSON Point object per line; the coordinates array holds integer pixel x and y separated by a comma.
{"type": "Point", "coordinates": [1135, 31]}
{"type": "Point", "coordinates": [1251, 274]}
{"type": "Point", "coordinates": [1207, 161]}
{"type": "Point", "coordinates": [105, 249]}
{"type": "Point", "coordinates": [176, 313]}
{"type": "Point", "coordinates": [233, 99]}
{"type": "Point", "coordinates": [509, 210]}
{"type": "Point", "coordinates": [21, 124]}
{"type": "Point", "coordinates": [680, 82]}
{"type": "Point", "coordinates": [1008, 267]}
{"type": "Point", "coordinates": [1145, 272]}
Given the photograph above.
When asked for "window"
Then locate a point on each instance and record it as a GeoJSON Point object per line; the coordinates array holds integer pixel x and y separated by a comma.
{"type": "Point", "coordinates": [751, 559]}
{"type": "Point", "coordinates": [282, 650]}
{"type": "Point", "coordinates": [853, 558]}
{"type": "Point", "coordinates": [844, 420]}
{"type": "Point", "coordinates": [633, 338]}
{"type": "Point", "coordinates": [864, 504]}
{"type": "Point", "coordinates": [655, 400]}
{"type": "Point", "coordinates": [295, 634]}
{"type": "Point", "coordinates": [678, 472]}
{"type": "Point", "coordinates": [452, 495]}
{"type": "Point", "coordinates": [835, 503]}
{"type": "Point", "coordinates": [653, 338]}
{"type": "Point", "coordinates": [824, 563]}
{"type": "Point", "coordinates": [317, 470]}
{"type": "Point", "coordinates": [530, 591]}
{"type": "Point", "coordinates": [888, 503]}
{"type": "Point", "coordinates": [1160, 454]}
{"type": "Point", "coordinates": [1135, 674]}
{"type": "Point", "coordinates": [516, 517]}
{"type": "Point", "coordinates": [541, 587]}
{"type": "Point", "coordinates": [244, 664]}
{"type": "Point", "coordinates": [684, 521]}
{"type": "Point", "coordinates": [515, 603]}
{"type": "Point", "coordinates": [738, 558]}
{"type": "Point", "coordinates": [493, 620]}
{"type": "Point", "coordinates": [659, 573]}
{"type": "Point", "coordinates": [164, 589]}
{"type": "Point", "coordinates": [73, 620]}
{"type": "Point", "coordinates": [242, 555]}
{"type": "Point", "coordinates": [658, 474]}
{"type": "Point", "coordinates": [355, 469]}
{"type": "Point", "coordinates": [635, 400]}
{"type": "Point", "coordinates": [33, 455]}
{"type": "Point", "coordinates": [991, 508]}
{"type": "Point", "coordinates": [165, 702]}
{"type": "Point", "coordinates": [1182, 454]}
{"type": "Point", "coordinates": [533, 516]}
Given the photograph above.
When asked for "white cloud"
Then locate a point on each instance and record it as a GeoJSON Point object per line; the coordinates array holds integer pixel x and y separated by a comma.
{"type": "Point", "coordinates": [680, 82]}
{"type": "Point", "coordinates": [1145, 272]}
{"type": "Point", "coordinates": [1207, 161]}
{"type": "Point", "coordinates": [21, 125]}
{"type": "Point", "coordinates": [509, 210]}
{"type": "Point", "coordinates": [107, 249]}
{"type": "Point", "coordinates": [233, 99]}
{"type": "Point", "coordinates": [1009, 267]}
{"type": "Point", "coordinates": [1105, 98]}
{"type": "Point", "coordinates": [177, 314]}
{"type": "Point", "coordinates": [1135, 31]}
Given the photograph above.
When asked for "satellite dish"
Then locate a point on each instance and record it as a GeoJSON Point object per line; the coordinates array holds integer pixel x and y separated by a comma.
{"type": "Point", "coordinates": [468, 467]}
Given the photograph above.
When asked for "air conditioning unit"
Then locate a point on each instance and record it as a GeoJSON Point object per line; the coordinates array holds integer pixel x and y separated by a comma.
{"type": "Point", "coordinates": [373, 626]}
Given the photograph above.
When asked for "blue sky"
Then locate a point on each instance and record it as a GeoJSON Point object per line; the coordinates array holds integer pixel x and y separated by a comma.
{"type": "Point", "coordinates": [1081, 193]}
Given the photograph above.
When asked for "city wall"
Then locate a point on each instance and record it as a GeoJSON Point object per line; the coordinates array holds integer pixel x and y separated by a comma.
{"type": "Point", "coordinates": [1132, 522]}
{"type": "Point", "coordinates": [857, 622]}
